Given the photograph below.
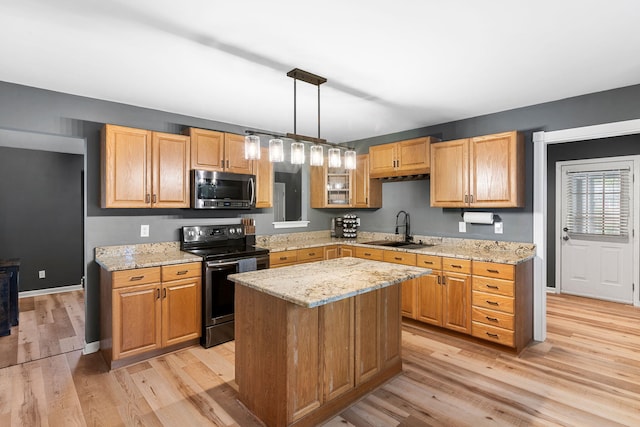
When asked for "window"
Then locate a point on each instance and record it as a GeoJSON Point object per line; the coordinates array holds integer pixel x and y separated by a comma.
{"type": "Point", "coordinates": [598, 202]}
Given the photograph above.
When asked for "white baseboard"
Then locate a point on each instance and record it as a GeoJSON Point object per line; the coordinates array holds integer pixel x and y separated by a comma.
{"type": "Point", "coordinates": [91, 347]}
{"type": "Point", "coordinates": [49, 291]}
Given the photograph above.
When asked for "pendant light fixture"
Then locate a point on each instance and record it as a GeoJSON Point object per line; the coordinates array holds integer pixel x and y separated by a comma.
{"type": "Point", "coordinates": [252, 147]}
{"type": "Point", "coordinates": [276, 150]}
{"type": "Point", "coordinates": [316, 155]}
{"type": "Point", "coordinates": [297, 153]}
{"type": "Point", "coordinates": [334, 157]}
{"type": "Point", "coordinates": [350, 159]}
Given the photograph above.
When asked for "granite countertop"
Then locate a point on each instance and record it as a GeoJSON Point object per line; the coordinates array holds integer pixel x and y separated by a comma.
{"type": "Point", "coordinates": [476, 250]}
{"type": "Point", "coordinates": [127, 257]}
{"type": "Point", "coordinates": [318, 283]}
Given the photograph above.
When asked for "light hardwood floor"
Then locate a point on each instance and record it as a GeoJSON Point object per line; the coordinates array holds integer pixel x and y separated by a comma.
{"type": "Point", "coordinates": [49, 325]}
{"type": "Point", "coordinates": [586, 374]}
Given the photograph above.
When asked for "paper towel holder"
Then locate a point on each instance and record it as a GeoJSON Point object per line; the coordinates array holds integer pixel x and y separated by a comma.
{"type": "Point", "coordinates": [478, 217]}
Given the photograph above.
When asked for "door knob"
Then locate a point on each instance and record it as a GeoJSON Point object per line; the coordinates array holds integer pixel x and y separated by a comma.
{"type": "Point", "coordinates": [565, 229]}
{"type": "Point", "coordinates": [565, 238]}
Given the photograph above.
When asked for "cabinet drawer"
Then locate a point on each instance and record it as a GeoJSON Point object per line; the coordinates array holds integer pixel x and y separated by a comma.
{"type": "Point", "coordinates": [277, 259]}
{"type": "Point", "coordinates": [368, 253]}
{"type": "Point", "coordinates": [429, 261]}
{"type": "Point", "coordinates": [493, 286]}
{"type": "Point", "coordinates": [493, 318]}
{"type": "Point", "coordinates": [493, 302]}
{"type": "Point", "coordinates": [491, 333]}
{"type": "Point", "coordinates": [492, 269]}
{"type": "Point", "coordinates": [181, 271]}
{"type": "Point", "coordinates": [399, 257]}
{"type": "Point", "coordinates": [138, 276]}
{"type": "Point", "coordinates": [456, 265]}
{"type": "Point", "coordinates": [311, 254]}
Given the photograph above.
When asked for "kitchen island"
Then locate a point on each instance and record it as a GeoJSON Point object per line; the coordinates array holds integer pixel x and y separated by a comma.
{"type": "Point", "coordinates": [311, 339]}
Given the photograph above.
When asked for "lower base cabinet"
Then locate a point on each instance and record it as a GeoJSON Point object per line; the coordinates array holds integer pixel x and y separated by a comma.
{"type": "Point", "coordinates": [148, 309]}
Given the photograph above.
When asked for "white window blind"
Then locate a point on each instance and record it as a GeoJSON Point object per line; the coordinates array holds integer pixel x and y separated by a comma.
{"type": "Point", "coordinates": [598, 202]}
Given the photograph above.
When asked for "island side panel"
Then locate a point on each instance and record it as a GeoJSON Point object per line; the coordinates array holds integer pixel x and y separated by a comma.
{"type": "Point", "coordinates": [391, 325]}
{"type": "Point", "coordinates": [260, 341]}
{"type": "Point", "coordinates": [337, 338]}
{"type": "Point", "coordinates": [367, 334]}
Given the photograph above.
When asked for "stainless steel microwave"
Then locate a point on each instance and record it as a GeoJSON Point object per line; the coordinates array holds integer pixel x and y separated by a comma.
{"type": "Point", "coordinates": [222, 190]}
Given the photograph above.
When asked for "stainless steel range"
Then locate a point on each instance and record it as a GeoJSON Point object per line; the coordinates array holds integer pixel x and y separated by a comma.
{"type": "Point", "coordinates": [225, 249]}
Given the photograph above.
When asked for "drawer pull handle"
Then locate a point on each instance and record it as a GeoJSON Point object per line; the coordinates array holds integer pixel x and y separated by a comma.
{"type": "Point", "coordinates": [456, 266]}
{"type": "Point", "coordinates": [439, 280]}
{"type": "Point", "coordinates": [157, 293]}
{"type": "Point", "coordinates": [136, 278]}
{"type": "Point", "coordinates": [493, 287]}
{"type": "Point", "coordinates": [492, 302]}
{"type": "Point", "coordinates": [164, 293]}
{"type": "Point", "coordinates": [367, 254]}
{"type": "Point", "coordinates": [493, 335]}
{"type": "Point", "coordinates": [428, 262]}
{"type": "Point", "coordinates": [312, 253]}
{"type": "Point", "coordinates": [182, 272]}
{"type": "Point", "coordinates": [493, 271]}
{"type": "Point", "coordinates": [397, 258]}
{"type": "Point", "coordinates": [491, 319]}
{"type": "Point", "coordinates": [283, 258]}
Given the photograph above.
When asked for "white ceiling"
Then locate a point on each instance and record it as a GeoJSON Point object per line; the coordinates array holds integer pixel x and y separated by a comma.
{"type": "Point", "coordinates": [390, 65]}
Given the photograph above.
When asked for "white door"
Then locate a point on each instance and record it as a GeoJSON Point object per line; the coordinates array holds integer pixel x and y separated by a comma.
{"type": "Point", "coordinates": [279, 201]}
{"type": "Point", "coordinates": [597, 230]}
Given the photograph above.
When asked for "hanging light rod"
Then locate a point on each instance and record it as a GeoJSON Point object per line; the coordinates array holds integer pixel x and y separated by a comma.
{"type": "Point", "coordinates": [307, 77]}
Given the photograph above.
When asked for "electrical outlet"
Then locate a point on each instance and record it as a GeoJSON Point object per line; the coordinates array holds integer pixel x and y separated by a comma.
{"type": "Point", "coordinates": [497, 227]}
{"type": "Point", "coordinates": [42, 274]}
{"type": "Point", "coordinates": [144, 230]}
{"type": "Point", "coordinates": [462, 227]}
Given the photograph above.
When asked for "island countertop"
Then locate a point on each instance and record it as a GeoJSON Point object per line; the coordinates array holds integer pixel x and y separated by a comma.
{"type": "Point", "coordinates": [318, 283]}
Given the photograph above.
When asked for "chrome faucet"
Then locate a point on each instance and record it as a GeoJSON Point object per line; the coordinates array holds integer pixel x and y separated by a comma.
{"type": "Point", "coordinates": [406, 225]}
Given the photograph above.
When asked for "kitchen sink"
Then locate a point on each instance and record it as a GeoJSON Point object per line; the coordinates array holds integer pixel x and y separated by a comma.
{"type": "Point", "coordinates": [395, 244]}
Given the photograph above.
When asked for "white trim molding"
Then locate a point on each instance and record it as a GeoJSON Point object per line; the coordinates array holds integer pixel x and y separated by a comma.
{"type": "Point", "coordinates": [540, 142]}
{"type": "Point", "coordinates": [49, 291]}
{"type": "Point", "coordinates": [91, 347]}
{"type": "Point", "coordinates": [290, 224]}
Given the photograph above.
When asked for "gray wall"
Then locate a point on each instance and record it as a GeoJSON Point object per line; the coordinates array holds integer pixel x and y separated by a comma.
{"type": "Point", "coordinates": [603, 107]}
{"type": "Point", "coordinates": [61, 114]}
{"type": "Point", "coordinates": [41, 219]}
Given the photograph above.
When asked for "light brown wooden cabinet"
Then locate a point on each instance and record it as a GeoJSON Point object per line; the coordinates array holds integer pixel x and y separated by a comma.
{"type": "Point", "coordinates": [481, 172]}
{"type": "Point", "coordinates": [409, 157]}
{"type": "Point", "coordinates": [218, 151]}
{"type": "Point", "coordinates": [296, 256]}
{"type": "Point", "coordinates": [149, 309]}
{"type": "Point", "coordinates": [502, 309]}
{"type": "Point", "coordinates": [264, 180]}
{"type": "Point", "coordinates": [332, 251]}
{"type": "Point", "coordinates": [367, 192]}
{"type": "Point", "coordinates": [143, 169]}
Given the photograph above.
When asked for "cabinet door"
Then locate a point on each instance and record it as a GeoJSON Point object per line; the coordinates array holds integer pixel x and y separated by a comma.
{"type": "Point", "coordinates": [207, 149]}
{"type": "Point", "coordinates": [331, 252]}
{"type": "Point", "coordinates": [136, 320]}
{"type": "Point", "coordinates": [413, 156]}
{"type": "Point", "coordinates": [336, 322]}
{"type": "Point", "coordinates": [429, 295]}
{"type": "Point", "coordinates": [382, 160]}
{"type": "Point", "coordinates": [264, 180]}
{"type": "Point", "coordinates": [181, 308]}
{"type": "Point", "coordinates": [367, 335]}
{"type": "Point", "coordinates": [457, 302]}
{"type": "Point", "coordinates": [390, 326]}
{"type": "Point", "coordinates": [367, 192]}
{"type": "Point", "coordinates": [234, 154]}
{"type": "Point", "coordinates": [497, 171]}
{"type": "Point", "coordinates": [126, 167]}
{"type": "Point", "coordinates": [409, 298]}
{"type": "Point", "coordinates": [170, 171]}
{"type": "Point", "coordinates": [318, 186]}
{"type": "Point", "coordinates": [450, 173]}
{"type": "Point", "coordinates": [347, 251]}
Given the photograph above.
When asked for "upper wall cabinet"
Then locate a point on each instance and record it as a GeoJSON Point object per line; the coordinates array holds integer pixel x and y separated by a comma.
{"type": "Point", "coordinates": [143, 169]}
{"type": "Point", "coordinates": [367, 192]}
{"type": "Point", "coordinates": [218, 151]}
{"type": "Point", "coordinates": [264, 180]}
{"type": "Point", "coordinates": [481, 172]}
{"type": "Point", "coordinates": [410, 157]}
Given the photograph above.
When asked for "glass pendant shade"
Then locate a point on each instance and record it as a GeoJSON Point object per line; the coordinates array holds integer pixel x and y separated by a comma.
{"type": "Point", "coordinates": [297, 153]}
{"type": "Point", "coordinates": [316, 155]}
{"type": "Point", "coordinates": [334, 158]}
{"type": "Point", "coordinates": [276, 150]}
{"type": "Point", "coordinates": [252, 147]}
{"type": "Point", "coordinates": [350, 159]}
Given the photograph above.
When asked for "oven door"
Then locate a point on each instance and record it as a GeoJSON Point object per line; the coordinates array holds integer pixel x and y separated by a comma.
{"type": "Point", "coordinates": [219, 292]}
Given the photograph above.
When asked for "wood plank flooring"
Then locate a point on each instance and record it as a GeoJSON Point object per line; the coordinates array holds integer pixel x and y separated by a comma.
{"type": "Point", "coordinates": [587, 373]}
{"type": "Point", "coordinates": [49, 325]}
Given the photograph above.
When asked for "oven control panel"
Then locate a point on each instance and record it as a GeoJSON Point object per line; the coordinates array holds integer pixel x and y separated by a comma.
{"type": "Point", "coordinates": [212, 233]}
